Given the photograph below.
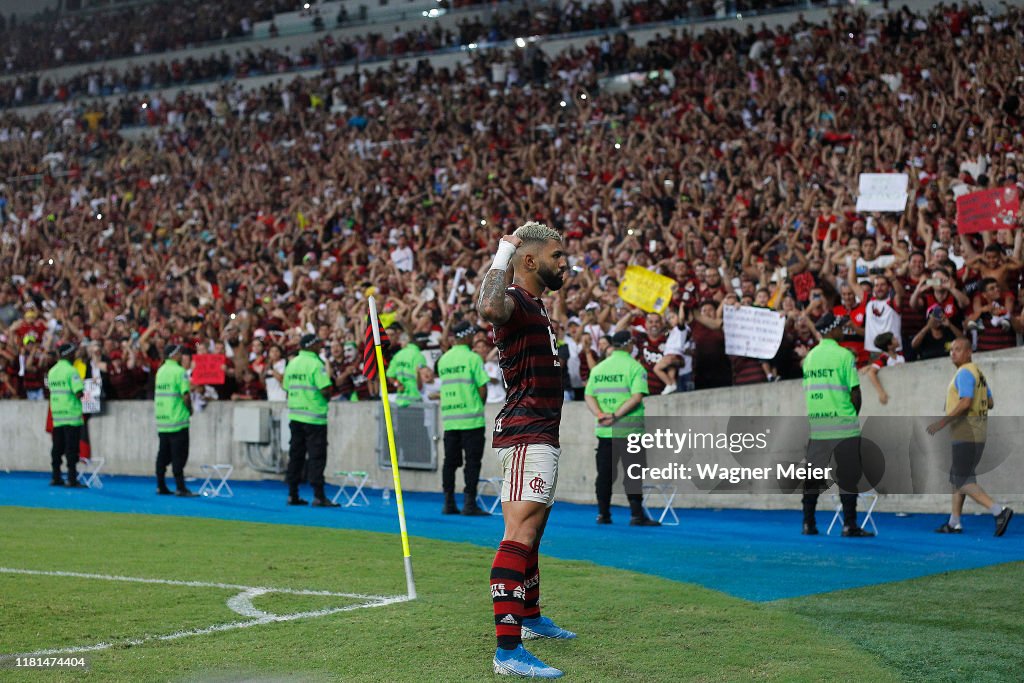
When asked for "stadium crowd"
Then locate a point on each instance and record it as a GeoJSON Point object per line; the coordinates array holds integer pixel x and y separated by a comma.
{"type": "Point", "coordinates": [53, 38]}
{"type": "Point", "coordinates": [252, 217]}
{"type": "Point", "coordinates": [503, 23]}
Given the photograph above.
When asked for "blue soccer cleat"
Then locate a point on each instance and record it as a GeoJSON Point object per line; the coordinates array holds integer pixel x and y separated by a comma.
{"type": "Point", "coordinates": [519, 662]}
{"type": "Point", "coordinates": [543, 627]}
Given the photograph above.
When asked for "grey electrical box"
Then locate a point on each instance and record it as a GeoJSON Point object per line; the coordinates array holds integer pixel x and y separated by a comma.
{"type": "Point", "coordinates": [252, 424]}
{"type": "Point", "coordinates": [415, 437]}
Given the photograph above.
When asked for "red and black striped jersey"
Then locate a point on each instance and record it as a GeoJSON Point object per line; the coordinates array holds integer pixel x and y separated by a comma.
{"type": "Point", "coordinates": [532, 371]}
{"type": "Point", "coordinates": [649, 351]}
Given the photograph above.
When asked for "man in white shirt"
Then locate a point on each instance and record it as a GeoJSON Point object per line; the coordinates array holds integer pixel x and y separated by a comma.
{"type": "Point", "coordinates": [402, 255]}
{"type": "Point", "coordinates": [496, 385]}
{"type": "Point", "coordinates": [870, 260]}
{"type": "Point", "coordinates": [881, 313]}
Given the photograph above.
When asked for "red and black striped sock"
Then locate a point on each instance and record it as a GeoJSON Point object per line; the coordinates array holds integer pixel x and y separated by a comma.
{"type": "Point", "coordinates": [531, 609]}
{"type": "Point", "coordinates": [507, 591]}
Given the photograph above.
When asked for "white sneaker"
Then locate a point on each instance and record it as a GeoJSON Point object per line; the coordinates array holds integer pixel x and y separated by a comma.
{"type": "Point", "coordinates": [669, 389]}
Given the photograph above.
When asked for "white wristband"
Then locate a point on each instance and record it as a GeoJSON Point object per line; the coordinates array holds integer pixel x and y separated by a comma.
{"type": "Point", "coordinates": [504, 254]}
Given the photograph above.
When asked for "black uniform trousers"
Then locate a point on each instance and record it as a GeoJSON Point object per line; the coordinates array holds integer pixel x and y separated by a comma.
{"type": "Point", "coordinates": [611, 453]}
{"type": "Point", "coordinates": [65, 445]}
{"type": "Point", "coordinates": [308, 442]}
{"type": "Point", "coordinates": [848, 473]}
{"type": "Point", "coordinates": [173, 451]}
{"type": "Point", "coordinates": [463, 446]}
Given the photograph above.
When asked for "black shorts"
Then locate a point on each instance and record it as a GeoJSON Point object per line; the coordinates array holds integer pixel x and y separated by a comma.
{"type": "Point", "coordinates": [966, 456]}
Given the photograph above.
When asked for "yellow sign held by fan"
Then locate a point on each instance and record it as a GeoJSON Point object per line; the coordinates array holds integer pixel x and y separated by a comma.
{"type": "Point", "coordinates": [646, 289]}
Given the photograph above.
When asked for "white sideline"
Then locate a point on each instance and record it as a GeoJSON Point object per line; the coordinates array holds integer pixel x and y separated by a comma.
{"type": "Point", "coordinates": [240, 604]}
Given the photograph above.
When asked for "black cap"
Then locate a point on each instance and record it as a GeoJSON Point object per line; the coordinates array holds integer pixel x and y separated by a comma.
{"type": "Point", "coordinates": [67, 349]}
{"type": "Point", "coordinates": [308, 341]}
{"type": "Point", "coordinates": [464, 329]}
{"type": "Point", "coordinates": [829, 322]}
{"type": "Point", "coordinates": [622, 338]}
{"type": "Point", "coordinates": [172, 350]}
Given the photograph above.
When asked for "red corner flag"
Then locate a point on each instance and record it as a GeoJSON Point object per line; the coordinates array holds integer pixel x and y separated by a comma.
{"type": "Point", "coordinates": [369, 357]}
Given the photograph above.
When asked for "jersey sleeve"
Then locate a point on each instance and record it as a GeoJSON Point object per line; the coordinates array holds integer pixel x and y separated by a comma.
{"type": "Point", "coordinates": [850, 377]}
{"type": "Point", "coordinates": [480, 376]}
{"type": "Point", "coordinates": [420, 361]}
{"type": "Point", "coordinates": [76, 383]}
{"type": "Point", "coordinates": [638, 381]}
{"type": "Point", "coordinates": [321, 380]}
{"type": "Point", "coordinates": [965, 383]}
{"type": "Point", "coordinates": [184, 386]}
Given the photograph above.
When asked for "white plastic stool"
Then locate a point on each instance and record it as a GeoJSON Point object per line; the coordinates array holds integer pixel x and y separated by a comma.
{"type": "Point", "coordinates": [221, 489]}
{"type": "Point", "coordinates": [668, 496]}
{"type": "Point", "coordinates": [89, 472]}
{"type": "Point", "coordinates": [491, 486]}
{"type": "Point", "coordinates": [837, 517]}
{"type": "Point", "coordinates": [356, 480]}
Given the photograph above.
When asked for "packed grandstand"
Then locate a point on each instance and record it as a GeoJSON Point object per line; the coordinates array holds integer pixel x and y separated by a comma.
{"type": "Point", "coordinates": [234, 219]}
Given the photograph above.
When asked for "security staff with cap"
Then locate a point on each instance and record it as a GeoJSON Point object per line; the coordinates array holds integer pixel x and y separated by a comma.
{"type": "Point", "coordinates": [463, 393]}
{"type": "Point", "coordinates": [309, 388]}
{"type": "Point", "coordinates": [66, 388]}
{"type": "Point", "coordinates": [172, 403]}
{"type": "Point", "coordinates": [615, 393]}
{"type": "Point", "coordinates": [832, 391]}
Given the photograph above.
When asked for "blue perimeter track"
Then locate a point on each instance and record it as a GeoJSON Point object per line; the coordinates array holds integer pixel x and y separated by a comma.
{"type": "Point", "coordinates": [751, 554]}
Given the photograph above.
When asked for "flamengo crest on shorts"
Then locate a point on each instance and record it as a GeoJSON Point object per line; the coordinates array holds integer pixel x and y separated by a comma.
{"type": "Point", "coordinates": [531, 473]}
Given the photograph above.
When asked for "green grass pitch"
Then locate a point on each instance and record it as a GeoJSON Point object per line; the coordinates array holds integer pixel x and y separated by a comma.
{"type": "Point", "coordinates": [952, 627]}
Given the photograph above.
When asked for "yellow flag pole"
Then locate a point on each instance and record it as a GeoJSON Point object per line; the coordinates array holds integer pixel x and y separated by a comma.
{"type": "Point", "coordinates": [409, 581]}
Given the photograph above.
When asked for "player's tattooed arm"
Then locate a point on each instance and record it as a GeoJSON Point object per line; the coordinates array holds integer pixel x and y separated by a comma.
{"type": "Point", "coordinates": [494, 305]}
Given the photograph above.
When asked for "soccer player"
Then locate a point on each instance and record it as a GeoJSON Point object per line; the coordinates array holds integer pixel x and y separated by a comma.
{"type": "Point", "coordinates": [525, 435]}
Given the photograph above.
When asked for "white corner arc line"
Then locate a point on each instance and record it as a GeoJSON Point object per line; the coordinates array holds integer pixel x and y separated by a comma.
{"type": "Point", "coordinates": [240, 603]}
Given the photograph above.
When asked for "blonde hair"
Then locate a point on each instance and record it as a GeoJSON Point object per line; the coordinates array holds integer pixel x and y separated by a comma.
{"type": "Point", "coordinates": [532, 231]}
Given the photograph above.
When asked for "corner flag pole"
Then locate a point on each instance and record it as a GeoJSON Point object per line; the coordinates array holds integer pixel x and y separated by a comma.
{"type": "Point", "coordinates": [409, 581]}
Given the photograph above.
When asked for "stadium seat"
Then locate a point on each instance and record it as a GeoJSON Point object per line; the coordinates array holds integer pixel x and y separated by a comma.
{"type": "Point", "coordinates": [838, 516]}
{"type": "Point", "coordinates": [89, 472]}
{"type": "Point", "coordinates": [220, 488]}
{"type": "Point", "coordinates": [490, 487]}
{"type": "Point", "coordinates": [667, 492]}
{"type": "Point", "coordinates": [354, 480]}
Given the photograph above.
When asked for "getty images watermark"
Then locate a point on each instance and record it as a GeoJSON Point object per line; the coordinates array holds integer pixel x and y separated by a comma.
{"type": "Point", "coordinates": [769, 455]}
{"type": "Point", "coordinates": [734, 443]}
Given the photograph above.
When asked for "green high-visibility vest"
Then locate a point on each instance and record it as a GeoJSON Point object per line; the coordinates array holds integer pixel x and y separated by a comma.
{"type": "Point", "coordinates": [404, 366]}
{"type": "Point", "coordinates": [172, 387]}
{"type": "Point", "coordinates": [830, 372]}
{"type": "Point", "coordinates": [612, 382]}
{"type": "Point", "coordinates": [65, 383]}
{"type": "Point", "coordinates": [462, 374]}
{"type": "Point", "coordinates": [304, 377]}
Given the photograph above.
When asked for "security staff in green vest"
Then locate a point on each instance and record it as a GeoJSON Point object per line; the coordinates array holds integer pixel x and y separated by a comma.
{"type": "Point", "coordinates": [404, 372]}
{"type": "Point", "coordinates": [172, 403]}
{"type": "Point", "coordinates": [832, 390]}
{"type": "Point", "coordinates": [463, 392]}
{"type": "Point", "coordinates": [66, 388]}
{"type": "Point", "coordinates": [309, 387]}
{"type": "Point", "coordinates": [615, 393]}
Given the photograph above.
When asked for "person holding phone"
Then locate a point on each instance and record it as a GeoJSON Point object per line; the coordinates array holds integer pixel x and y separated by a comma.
{"type": "Point", "coordinates": [940, 289]}
{"type": "Point", "coordinates": [938, 333]}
